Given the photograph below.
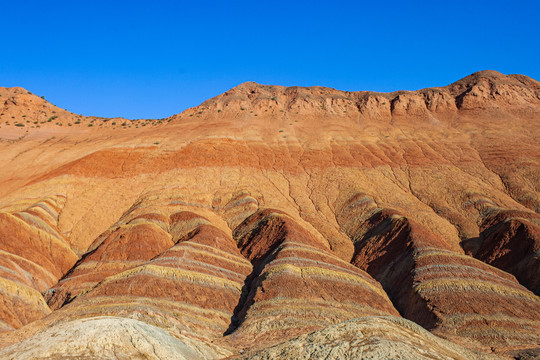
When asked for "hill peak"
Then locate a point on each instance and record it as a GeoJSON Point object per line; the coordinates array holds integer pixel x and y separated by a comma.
{"type": "Point", "coordinates": [494, 78]}
{"type": "Point", "coordinates": [487, 89]}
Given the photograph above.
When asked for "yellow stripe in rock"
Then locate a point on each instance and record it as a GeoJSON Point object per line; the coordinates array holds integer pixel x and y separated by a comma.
{"type": "Point", "coordinates": [12, 288]}
{"type": "Point", "coordinates": [452, 284]}
{"type": "Point", "coordinates": [316, 271]}
{"type": "Point", "coordinates": [178, 274]}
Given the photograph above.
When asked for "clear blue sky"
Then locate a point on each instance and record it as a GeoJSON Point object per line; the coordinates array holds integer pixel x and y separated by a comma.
{"type": "Point", "coordinates": [152, 59]}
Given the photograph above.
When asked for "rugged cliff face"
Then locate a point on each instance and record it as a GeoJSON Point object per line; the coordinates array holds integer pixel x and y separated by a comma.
{"type": "Point", "coordinates": [305, 222]}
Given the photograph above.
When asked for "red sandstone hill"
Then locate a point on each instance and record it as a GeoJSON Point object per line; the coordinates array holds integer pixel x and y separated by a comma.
{"type": "Point", "coordinates": [274, 222]}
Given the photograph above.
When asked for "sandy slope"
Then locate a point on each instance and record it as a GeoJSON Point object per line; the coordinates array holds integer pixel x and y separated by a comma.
{"type": "Point", "coordinates": [406, 181]}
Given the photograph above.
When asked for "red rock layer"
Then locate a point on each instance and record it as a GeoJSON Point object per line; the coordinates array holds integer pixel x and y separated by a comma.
{"type": "Point", "coordinates": [510, 240]}
{"type": "Point", "coordinates": [449, 293]}
{"type": "Point", "coordinates": [239, 208]}
{"type": "Point", "coordinates": [297, 284]}
{"type": "Point", "coordinates": [124, 246]}
{"type": "Point", "coordinates": [33, 256]}
{"type": "Point", "coordinates": [300, 150]}
{"type": "Point", "coordinates": [191, 288]}
{"type": "Point", "coordinates": [292, 159]}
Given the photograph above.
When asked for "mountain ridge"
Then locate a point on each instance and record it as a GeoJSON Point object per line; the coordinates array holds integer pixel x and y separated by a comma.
{"type": "Point", "coordinates": [252, 90]}
{"type": "Point", "coordinates": [269, 217]}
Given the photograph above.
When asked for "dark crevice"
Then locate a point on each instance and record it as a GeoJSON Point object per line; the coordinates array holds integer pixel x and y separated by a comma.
{"type": "Point", "coordinates": [386, 251]}
{"type": "Point", "coordinates": [274, 230]}
{"type": "Point", "coordinates": [511, 244]}
{"type": "Point", "coordinates": [471, 245]}
{"type": "Point", "coordinates": [249, 289]}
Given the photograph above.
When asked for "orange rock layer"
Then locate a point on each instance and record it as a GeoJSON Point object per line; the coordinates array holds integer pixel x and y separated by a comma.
{"type": "Point", "coordinates": [269, 217]}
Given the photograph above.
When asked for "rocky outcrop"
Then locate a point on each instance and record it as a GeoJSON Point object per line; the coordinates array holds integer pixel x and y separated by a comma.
{"type": "Point", "coordinates": [192, 287]}
{"type": "Point", "coordinates": [493, 90]}
{"type": "Point", "coordinates": [121, 248]}
{"type": "Point", "coordinates": [447, 292]}
{"type": "Point", "coordinates": [297, 284]}
{"type": "Point", "coordinates": [510, 240]}
{"type": "Point", "coordinates": [108, 338]}
{"type": "Point", "coordinates": [481, 91]}
{"type": "Point", "coordinates": [271, 214]}
{"type": "Point", "coordinates": [33, 256]}
{"type": "Point", "coordinates": [189, 286]}
{"type": "Point", "coordinates": [383, 337]}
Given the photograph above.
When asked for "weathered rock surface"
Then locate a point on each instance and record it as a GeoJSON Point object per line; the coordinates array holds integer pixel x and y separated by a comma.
{"type": "Point", "coordinates": [126, 245]}
{"type": "Point", "coordinates": [297, 284]}
{"type": "Point", "coordinates": [267, 213]}
{"type": "Point", "coordinates": [193, 287]}
{"type": "Point", "coordinates": [510, 240]}
{"type": "Point", "coordinates": [107, 338]}
{"type": "Point", "coordinates": [449, 293]}
{"type": "Point", "coordinates": [33, 256]}
{"type": "Point", "coordinates": [367, 338]}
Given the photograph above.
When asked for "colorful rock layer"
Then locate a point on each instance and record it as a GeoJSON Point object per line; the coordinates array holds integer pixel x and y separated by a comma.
{"type": "Point", "coordinates": [33, 256]}
{"type": "Point", "coordinates": [449, 293]}
{"type": "Point", "coordinates": [297, 284]}
{"type": "Point", "coordinates": [275, 222]}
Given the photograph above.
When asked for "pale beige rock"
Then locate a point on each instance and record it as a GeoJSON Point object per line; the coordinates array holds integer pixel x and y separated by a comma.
{"type": "Point", "coordinates": [371, 337]}
{"type": "Point", "coordinates": [103, 338]}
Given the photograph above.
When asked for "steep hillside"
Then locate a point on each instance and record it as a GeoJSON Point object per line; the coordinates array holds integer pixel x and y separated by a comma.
{"type": "Point", "coordinates": [269, 219]}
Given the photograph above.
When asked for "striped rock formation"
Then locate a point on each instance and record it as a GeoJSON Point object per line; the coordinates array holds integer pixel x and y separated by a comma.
{"type": "Point", "coordinates": [260, 221]}
{"type": "Point", "coordinates": [239, 208]}
{"type": "Point", "coordinates": [510, 240]}
{"type": "Point", "coordinates": [193, 287]}
{"type": "Point", "coordinates": [124, 246]}
{"type": "Point", "coordinates": [190, 288]}
{"type": "Point", "coordinates": [33, 256]}
{"type": "Point", "coordinates": [297, 284]}
{"type": "Point", "coordinates": [372, 337]}
{"type": "Point", "coordinates": [449, 293]}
